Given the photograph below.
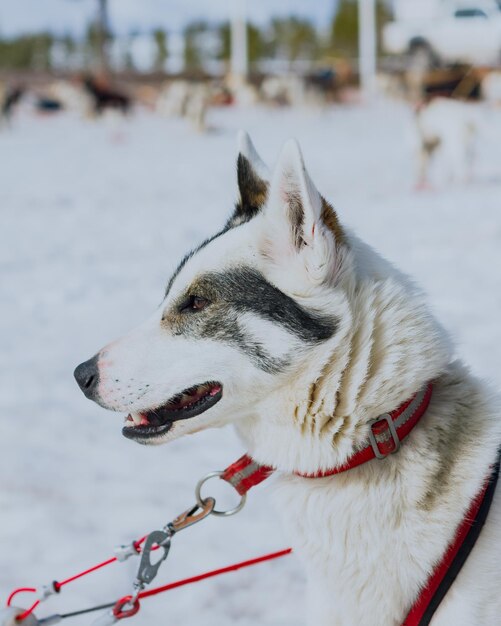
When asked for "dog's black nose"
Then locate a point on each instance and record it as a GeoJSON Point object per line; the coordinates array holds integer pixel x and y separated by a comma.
{"type": "Point", "coordinates": [87, 377]}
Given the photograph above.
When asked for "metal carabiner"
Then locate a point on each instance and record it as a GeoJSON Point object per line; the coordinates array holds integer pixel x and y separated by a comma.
{"type": "Point", "coordinates": [147, 570]}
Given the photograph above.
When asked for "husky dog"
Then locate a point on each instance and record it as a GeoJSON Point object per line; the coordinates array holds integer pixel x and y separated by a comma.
{"type": "Point", "coordinates": [287, 326]}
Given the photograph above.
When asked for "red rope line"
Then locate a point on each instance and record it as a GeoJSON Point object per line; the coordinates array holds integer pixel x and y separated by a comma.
{"type": "Point", "coordinates": [58, 585]}
{"type": "Point", "coordinates": [28, 611]}
{"type": "Point", "coordinates": [19, 618]}
{"type": "Point", "coordinates": [212, 573]}
{"type": "Point", "coordinates": [20, 590]}
{"type": "Point", "coordinates": [156, 590]}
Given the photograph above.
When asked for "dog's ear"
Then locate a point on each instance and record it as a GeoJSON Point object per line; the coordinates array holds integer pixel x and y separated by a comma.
{"type": "Point", "coordinates": [301, 224]}
{"type": "Point", "coordinates": [252, 178]}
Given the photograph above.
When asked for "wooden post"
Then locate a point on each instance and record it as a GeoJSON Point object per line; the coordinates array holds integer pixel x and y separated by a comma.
{"type": "Point", "coordinates": [239, 53]}
{"type": "Point", "coordinates": [367, 48]}
{"type": "Point", "coordinates": [103, 34]}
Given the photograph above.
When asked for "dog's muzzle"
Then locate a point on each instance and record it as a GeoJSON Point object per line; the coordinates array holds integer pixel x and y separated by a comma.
{"type": "Point", "coordinates": [87, 377]}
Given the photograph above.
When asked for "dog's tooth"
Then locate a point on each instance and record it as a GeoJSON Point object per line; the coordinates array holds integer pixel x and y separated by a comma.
{"type": "Point", "coordinates": [136, 418]}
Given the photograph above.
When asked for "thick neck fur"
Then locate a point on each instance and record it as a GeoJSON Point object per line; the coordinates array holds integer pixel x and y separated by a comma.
{"type": "Point", "coordinates": [387, 347]}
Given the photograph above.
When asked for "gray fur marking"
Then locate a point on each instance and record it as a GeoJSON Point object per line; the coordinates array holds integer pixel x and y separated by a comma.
{"type": "Point", "coordinates": [245, 290]}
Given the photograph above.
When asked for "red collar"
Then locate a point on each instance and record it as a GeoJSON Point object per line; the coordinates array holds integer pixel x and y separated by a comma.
{"type": "Point", "coordinates": [385, 434]}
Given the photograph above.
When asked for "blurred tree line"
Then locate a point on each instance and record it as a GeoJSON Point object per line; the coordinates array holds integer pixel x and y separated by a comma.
{"type": "Point", "coordinates": [27, 51]}
{"type": "Point", "coordinates": [288, 39]}
{"type": "Point", "coordinates": [343, 38]}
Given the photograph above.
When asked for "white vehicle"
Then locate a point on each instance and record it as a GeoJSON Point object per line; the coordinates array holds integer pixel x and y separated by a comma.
{"type": "Point", "coordinates": [444, 32]}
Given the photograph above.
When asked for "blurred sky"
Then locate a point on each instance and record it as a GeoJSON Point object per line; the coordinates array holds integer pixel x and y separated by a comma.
{"type": "Point", "coordinates": [61, 16]}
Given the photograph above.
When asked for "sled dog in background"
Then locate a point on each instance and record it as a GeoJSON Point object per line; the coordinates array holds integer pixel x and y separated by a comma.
{"type": "Point", "coordinates": [447, 132]}
{"type": "Point", "coordinates": [289, 327]}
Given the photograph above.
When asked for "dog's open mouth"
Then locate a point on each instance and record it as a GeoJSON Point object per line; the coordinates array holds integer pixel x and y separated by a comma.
{"type": "Point", "coordinates": [189, 403]}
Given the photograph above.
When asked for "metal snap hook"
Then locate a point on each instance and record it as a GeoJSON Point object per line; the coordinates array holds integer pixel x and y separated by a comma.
{"type": "Point", "coordinates": [196, 514]}
{"type": "Point", "coordinates": [148, 570]}
{"type": "Point", "coordinates": [203, 501]}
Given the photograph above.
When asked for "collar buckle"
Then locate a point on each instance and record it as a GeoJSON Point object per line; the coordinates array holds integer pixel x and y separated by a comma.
{"type": "Point", "coordinates": [380, 426]}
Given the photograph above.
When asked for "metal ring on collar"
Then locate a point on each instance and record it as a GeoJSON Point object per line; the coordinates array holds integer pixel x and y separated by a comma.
{"type": "Point", "coordinates": [201, 501]}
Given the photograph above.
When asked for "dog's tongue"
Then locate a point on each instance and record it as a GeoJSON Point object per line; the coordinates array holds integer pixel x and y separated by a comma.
{"type": "Point", "coordinates": [194, 395]}
{"type": "Point", "coordinates": [215, 390]}
{"type": "Point", "coordinates": [187, 399]}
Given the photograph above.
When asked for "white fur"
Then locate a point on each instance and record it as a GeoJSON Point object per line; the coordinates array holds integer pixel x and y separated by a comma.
{"type": "Point", "coordinates": [370, 537]}
{"type": "Point", "coordinates": [246, 148]}
{"type": "Point", "coordinates": [452, 125]}
{"type": "Point", "coordinates": [449, 135]}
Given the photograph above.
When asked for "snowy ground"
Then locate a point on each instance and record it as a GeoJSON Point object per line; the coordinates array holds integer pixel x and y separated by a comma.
{"type": "Point", "coordinates": [94, 216]}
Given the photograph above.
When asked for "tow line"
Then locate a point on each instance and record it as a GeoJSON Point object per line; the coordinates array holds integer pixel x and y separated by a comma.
{"type": "Point", "coordinates": [129, 605]}
{"type": "Point", "coordinates": [244, 474]}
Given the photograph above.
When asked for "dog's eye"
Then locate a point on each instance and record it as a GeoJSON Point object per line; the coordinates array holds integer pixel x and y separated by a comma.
{"type": "Point", "coordinates": [194, 303]}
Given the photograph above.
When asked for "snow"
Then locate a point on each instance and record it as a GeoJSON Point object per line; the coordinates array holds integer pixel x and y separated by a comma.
{"type": "Point", "coordinates": [94, 216]}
